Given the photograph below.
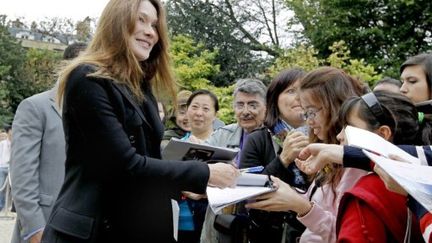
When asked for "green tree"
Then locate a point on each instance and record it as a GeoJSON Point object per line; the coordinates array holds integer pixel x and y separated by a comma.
{"type": "Point", "coordinates": [308, 59]}
{"type": "Point", "coordinates": [22, 72]}
{"type": "Point", "coordinates": [382, 33]}
{"type": "Point", "coordinates": [84, 29]}
{"type": "Point", "coordinates": [194, 66]}
{"type": "Point", "coordinates": [248, 34]}
{"type": "Point", "coordinates": [41, 67]}
{"type": "Point", "coordinates": [12, 59]}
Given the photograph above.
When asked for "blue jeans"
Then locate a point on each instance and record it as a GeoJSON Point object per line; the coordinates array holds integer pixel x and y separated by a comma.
{"type": "Point", "coordinates": [3, 175]}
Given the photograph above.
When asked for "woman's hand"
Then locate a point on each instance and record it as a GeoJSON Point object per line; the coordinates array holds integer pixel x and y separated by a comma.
{"type": "Point", "coordinates": [194, 196]}
{"type": "Point", "coordinates": [222, 175]}
{"type": "Point", "coordinates": [292, 145]}
{"type": "Point", "coordinates": [194, 139]}
{"type": "Point", "coordinates": [389, 182]}
{"type": "Point", "coordinates": [283, 199]}
{"type": "Point", "coordinates": [317, 155]}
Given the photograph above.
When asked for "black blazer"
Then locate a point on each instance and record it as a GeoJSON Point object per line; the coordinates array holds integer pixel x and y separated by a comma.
{"type": "Point", "coordinates": [259, 150]}
{"type": "Point", "coordinates": [116, 188]}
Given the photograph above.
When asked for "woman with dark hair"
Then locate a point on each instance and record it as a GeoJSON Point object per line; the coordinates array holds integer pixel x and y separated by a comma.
{"type": "Point", "coordinates": [202, 107]}
{"type": "Point", "coordinates": [116, 187]}
{"type": "Point", "coordinates": [369, 210]}
{"type": "Point", "coordinates": [267, 147]}
{"type": "Point", "coordinates": [416, 76]}
{"type": "Point", "coordinates": [321, 92]}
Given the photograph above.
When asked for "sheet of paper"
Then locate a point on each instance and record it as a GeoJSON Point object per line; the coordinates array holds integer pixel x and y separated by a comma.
{"type": "Point", "coordinates": [415, 179]}
{"type": "Point", "coordinates": [373, 142]}
{"type": "Point", "coordinates": [176, 216]}
{"type": "Point", "coordinates": [220, 198]}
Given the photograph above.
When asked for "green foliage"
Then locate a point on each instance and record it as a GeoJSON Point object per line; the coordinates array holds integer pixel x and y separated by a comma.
{"type": "Point", "coordinates": [225, 96]}
{"type": "Point", "coordinates": [22, 72]}
{"type": "Point", "coordinates": [244, 33]}
{"type": "Point", "coordinates": [301, 56]}
{"type": "Point", "coordinates": [308, 59]}
{"type": "Point", "coordinates": [12, 58]}
{"type": "Point", "coordinates": [380, 33]}
{"type": "Point", "coordinates": [41, 66]}
{"type": "Point", "coordinates": [193, 64]}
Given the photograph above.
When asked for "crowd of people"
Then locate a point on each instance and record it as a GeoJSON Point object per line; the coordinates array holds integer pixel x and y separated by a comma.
{"type": "Point", "coordinates": [84, 158]}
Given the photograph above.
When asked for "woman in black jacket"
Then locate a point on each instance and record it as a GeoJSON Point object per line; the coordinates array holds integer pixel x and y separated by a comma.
{"type": "Point", "coordinates": [266, 147]}
{"type": "Point", "coordinates": [116, 188]}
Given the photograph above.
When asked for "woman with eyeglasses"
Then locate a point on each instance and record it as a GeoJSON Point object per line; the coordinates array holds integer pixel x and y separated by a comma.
{"type": "Point", "coordinates": [275, 146]}
{"type": "Point", "coordinates": [369, 210]}
{"type": "Point", "coordinates": [416, 77]}
{"type": "Point", "coordinates": [321, 94]}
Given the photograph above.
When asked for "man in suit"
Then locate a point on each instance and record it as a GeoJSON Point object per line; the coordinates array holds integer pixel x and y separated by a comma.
{"type": "Point", "coordinates": [37, 159]}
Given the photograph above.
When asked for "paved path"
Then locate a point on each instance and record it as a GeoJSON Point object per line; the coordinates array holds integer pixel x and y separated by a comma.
{"type": "Point", "coordinates": [6, 226]}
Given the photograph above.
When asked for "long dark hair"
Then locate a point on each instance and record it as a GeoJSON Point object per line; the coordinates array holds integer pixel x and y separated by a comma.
{"type": "Point", "coordinates": [282, 81]}
{"type": "Point", "coordinates": [398, 112]}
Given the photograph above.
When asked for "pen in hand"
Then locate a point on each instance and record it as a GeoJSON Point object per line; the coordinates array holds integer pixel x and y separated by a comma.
{"type": "Point", "coordinates": [255, 169]}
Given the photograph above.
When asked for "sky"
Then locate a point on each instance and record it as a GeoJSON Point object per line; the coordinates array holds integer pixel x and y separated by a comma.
{"type": "Point", "coordinates": [39, 9]}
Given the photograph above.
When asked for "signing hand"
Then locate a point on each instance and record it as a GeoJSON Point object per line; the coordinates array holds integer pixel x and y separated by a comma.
{"type": "Point", "coordinates": [317, 155]}
{"type": "Point", "coordinates": [292, 145]}
{"type": "Point", "coordinates": [194, 196]}
{"type": "Point", "coordinates": [222, 175]}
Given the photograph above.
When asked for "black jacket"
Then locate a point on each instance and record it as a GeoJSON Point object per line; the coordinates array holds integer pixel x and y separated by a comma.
{"type": "Point", "coordinates": [260, 149]}
{"type": "Point", "coordinates": [116, 188]}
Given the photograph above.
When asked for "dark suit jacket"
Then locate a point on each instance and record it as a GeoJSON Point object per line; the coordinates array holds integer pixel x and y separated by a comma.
{"type": "Point", "coordinates": [116, 187]}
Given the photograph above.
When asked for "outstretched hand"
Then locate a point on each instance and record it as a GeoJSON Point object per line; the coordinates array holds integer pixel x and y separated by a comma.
{"type": "Point", "coordinates": [283, 199]}
{"type": "Point", "coordinates": [317, 155]}
{"type": "Point", "coordinates": [389, 182]}
{"type": "Point", "coordinates": [222, 175]}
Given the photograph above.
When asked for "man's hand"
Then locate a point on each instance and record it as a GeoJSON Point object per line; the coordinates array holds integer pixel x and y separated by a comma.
{"type": "Point", "coordinates": [36, 238]}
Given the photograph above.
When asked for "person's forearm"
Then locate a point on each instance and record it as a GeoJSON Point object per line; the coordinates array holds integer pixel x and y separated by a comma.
{"type": "Point", "coordinates": [355, 158]}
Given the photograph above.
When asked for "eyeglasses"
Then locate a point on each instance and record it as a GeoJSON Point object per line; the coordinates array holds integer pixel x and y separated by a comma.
{"type": "Point", "coordinates": [251, 106]}
{"type": "Point", "coordinates": [311, 113]}
{"type": "Point", "coordinates": [375, 107]}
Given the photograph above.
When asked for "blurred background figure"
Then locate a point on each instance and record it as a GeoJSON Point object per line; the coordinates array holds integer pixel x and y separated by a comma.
{"type": "Point", "coordinates": [4, 163]}
{"type": "Point", "coordinates": [388, 84]}
{"type": "Point", "coordinates": [178, 121]}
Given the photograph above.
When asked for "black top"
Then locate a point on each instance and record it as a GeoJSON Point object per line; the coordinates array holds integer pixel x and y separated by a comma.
{"type": "Point", "coordinates": [116, 188]}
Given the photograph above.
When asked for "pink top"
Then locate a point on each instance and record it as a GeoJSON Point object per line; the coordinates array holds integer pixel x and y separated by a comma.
{"type": "Point", "coordinates": [320, 222]}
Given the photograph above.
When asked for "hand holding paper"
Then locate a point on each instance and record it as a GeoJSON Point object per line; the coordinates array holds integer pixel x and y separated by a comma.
{"type": "Point", "coordinates": [248, 186]}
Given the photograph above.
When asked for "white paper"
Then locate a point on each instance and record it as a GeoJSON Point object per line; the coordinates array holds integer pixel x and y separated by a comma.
{"type": "Point", "coordinates": [370, 141]}
{"type": "Point", "coordinates": [415, 179]}
{"type": "Point", "coordinates": [220, 198]}
{"type": "Point", "coordinates": [176, 216]}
